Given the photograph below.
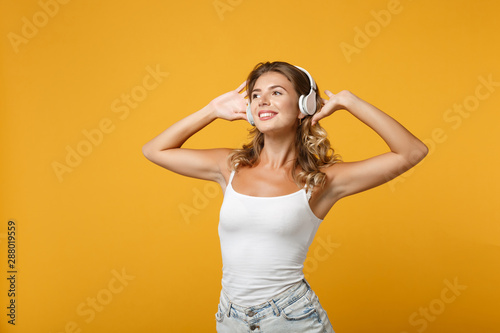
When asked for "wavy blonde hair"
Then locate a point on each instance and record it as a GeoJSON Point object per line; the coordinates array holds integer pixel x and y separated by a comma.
{"type": "Point", "coordinates": [311, 142]}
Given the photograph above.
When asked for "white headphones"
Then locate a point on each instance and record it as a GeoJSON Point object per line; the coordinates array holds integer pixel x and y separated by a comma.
{"type": "Point", "coordinates": [307, 103]}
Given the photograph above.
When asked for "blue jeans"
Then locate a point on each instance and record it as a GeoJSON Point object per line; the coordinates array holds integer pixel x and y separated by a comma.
{"type": "Point", "coordinates": [297, 309]}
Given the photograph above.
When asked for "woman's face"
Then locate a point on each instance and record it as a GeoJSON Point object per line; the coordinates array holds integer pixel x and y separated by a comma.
{"type": "Point", "coordinates": [274, 103]}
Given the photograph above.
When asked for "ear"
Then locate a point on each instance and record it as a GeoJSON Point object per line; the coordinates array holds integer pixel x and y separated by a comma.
{"type": "Point", "coordinates": [301, 115]}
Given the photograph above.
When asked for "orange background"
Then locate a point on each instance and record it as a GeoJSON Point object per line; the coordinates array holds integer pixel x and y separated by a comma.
{"type": "Point", "coordinates": [109, 242]}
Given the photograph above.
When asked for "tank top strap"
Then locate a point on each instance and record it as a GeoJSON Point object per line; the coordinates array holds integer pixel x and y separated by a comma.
{"type": "Point", "coordinates": [309, 190]}
{"type": "Point", "coordinates": [231, 176]}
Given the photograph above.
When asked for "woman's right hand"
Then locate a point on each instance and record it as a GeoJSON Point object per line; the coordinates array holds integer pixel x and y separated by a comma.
{"type": "Point", "coordinates": [231, 105]}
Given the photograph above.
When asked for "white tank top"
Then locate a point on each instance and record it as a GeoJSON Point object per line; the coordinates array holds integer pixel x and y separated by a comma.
{"type": "Point", "coordinates": [264, 242]}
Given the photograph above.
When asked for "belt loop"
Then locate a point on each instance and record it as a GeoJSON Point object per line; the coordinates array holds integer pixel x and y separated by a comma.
{"type": "Point", "coordinates": [275, 308]}
{"type": "Point", "coordinates": [228, 313]}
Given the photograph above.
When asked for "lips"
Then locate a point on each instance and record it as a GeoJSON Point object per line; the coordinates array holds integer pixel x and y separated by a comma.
{"type": "Point", "coordinates": [267, 114]}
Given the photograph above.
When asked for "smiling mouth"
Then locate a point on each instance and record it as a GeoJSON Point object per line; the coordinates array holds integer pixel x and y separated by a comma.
{"type": "Point", "coordinates": [266, 115]}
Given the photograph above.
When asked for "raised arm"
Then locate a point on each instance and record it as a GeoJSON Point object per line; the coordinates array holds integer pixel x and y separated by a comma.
{"type": "Point", "coordinates": [165, 149]}
{"type": "Point", "coordinates": [406, 150]}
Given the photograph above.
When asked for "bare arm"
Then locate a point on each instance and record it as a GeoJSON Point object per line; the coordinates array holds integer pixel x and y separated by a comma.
{"type": "Point", "coordinates": [165, 149]}
{"type": "Point", "coordinates": [405, 149]}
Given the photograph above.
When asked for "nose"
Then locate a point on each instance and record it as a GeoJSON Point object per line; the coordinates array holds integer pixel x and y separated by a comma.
{"type": "Point", "coordinates": [264, 100]}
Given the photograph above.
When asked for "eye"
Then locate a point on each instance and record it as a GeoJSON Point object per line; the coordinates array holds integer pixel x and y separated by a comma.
{"type": "Point", "coordinates": [254, 95]}
{"type": "Point", "coordinates": [276, 92]}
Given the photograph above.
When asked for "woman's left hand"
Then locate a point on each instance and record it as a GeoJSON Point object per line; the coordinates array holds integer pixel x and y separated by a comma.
{"type": "Point", "coordinates": [335, 102]}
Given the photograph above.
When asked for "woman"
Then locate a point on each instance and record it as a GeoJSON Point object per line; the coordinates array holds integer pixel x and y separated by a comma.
{"type": "Point", "coordinates": [278, 189]}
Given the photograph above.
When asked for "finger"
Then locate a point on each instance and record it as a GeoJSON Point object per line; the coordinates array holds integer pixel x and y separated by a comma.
{"type": "Point", "coordinates": [243, 107]}
{"type": "Point", "coordinates": [322, 113]}
{"type": "Point", "coordinates": [240, 88]}
{"type": "Point", "coordinates": [240, 116]}
{"type": "Point", "coordinates": [314, 120]}
{"type": "Point", "coordinates": [316, 117]}
{"type": "Point", "coordinates": [329, 93]}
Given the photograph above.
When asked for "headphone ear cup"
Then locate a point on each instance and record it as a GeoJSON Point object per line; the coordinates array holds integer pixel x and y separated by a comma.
{"type": "Point", "coordinates": [302, 105]}
{"type": "Point", "coordinates": [249, 115]}
{"type": "Point", "coordinates": [310, 103]}
{"type": "Point", "coordinates": [307, 104]}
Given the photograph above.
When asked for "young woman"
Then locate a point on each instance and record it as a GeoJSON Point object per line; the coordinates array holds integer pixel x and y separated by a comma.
{"type": "Point", "coordinates": [278, 189]}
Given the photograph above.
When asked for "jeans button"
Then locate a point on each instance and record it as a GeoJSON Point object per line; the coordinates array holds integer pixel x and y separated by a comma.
{"type": "Point", "coordinates": [253, 327]}
{"type": "Point", "coordinates": [250, 313]}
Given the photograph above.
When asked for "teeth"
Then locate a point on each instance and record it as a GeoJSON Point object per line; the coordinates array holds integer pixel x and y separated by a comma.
{"type": "Point", "coordinates": [268, 114]}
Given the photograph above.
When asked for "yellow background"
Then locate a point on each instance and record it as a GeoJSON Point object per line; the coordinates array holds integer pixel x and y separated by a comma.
{"type": "Point", "coordinates": [379, 258]}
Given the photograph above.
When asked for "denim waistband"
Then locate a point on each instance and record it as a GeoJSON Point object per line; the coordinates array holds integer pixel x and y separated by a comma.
{"type": "Point", "coordinates": [273, 305]}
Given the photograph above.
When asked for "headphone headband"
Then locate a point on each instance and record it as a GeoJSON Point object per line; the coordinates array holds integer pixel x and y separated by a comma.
{"type": "Point", "coordinates": [311, 80]}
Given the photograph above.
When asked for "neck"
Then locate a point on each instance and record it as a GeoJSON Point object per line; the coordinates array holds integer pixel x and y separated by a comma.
{"type": "Point", "coordinates": [278, 151]}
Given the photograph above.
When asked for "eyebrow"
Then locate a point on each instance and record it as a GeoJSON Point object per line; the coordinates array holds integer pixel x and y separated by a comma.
{"type": "Point", "coordinates": [271, 87]}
